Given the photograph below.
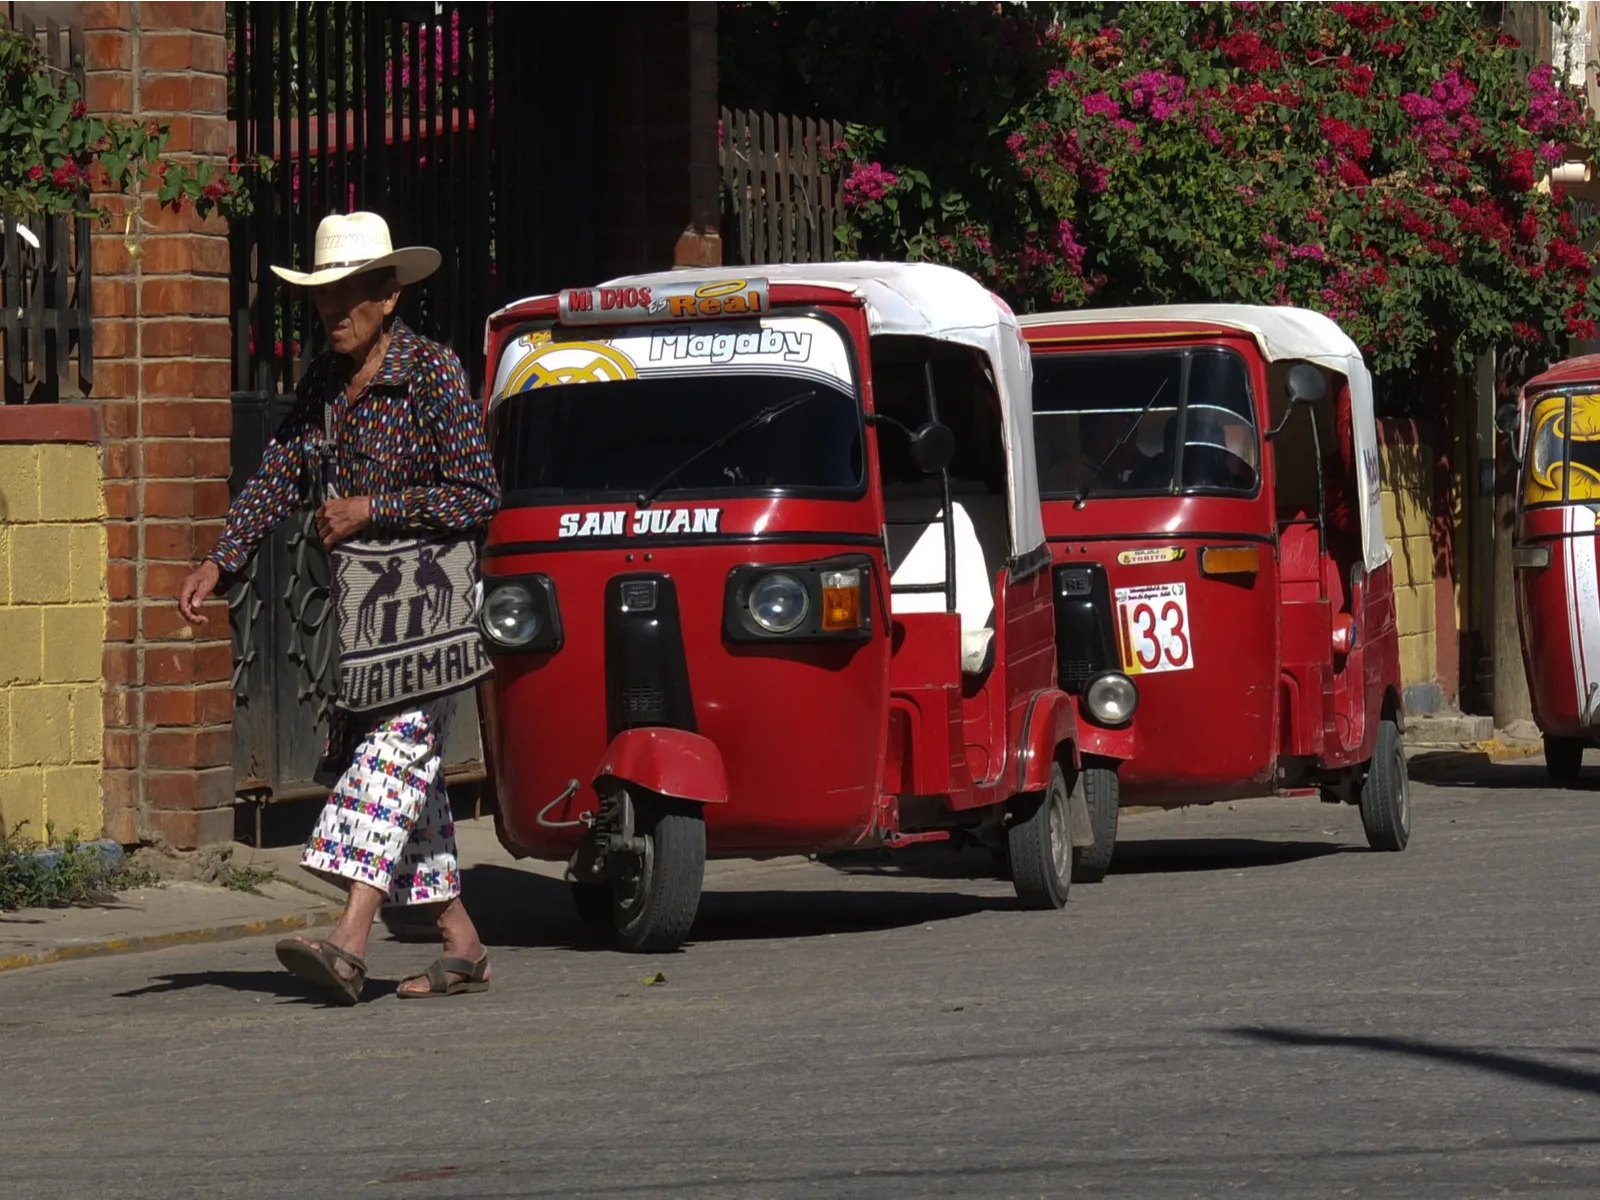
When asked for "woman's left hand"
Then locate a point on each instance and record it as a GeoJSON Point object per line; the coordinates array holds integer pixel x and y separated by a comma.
{"type": "Point", "coordinates": [340, 520]}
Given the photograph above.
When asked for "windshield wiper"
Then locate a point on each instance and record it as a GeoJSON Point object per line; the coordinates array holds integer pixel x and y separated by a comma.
{"type": "Point", "coordinates": [1094, 476]}
{"type": "Point", "coordinates": [764, 417]}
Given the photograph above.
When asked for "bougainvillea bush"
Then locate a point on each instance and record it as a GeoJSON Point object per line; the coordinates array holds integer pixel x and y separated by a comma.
{"type": "Point", "coordinates": [54, 154]}
{"type": "Point", "coordinates": [1387, 164]}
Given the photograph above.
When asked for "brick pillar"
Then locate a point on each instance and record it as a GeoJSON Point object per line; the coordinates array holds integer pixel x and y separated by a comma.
{"type": "Point", "coordinates": [162, 375]}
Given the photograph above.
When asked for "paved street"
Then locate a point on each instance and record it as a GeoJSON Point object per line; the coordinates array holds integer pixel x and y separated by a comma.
{"type": "Point", "coordinates": [1252, 1004]}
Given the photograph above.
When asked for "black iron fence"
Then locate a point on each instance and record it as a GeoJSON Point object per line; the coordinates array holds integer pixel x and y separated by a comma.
{"type": "Point", "coordinates": [46, 305]}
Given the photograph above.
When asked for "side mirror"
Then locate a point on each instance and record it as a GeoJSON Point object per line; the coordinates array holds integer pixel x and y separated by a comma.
{"type": "Point", "coordinates": [933, 447]}
{"type": "Point", "coordinates": [1305, 385]}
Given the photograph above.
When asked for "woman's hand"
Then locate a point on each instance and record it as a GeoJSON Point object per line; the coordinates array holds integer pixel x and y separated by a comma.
{"type": "Point", "coordinates": [197, 585]}
{"type": "Point", "coordinates": [340, 520]}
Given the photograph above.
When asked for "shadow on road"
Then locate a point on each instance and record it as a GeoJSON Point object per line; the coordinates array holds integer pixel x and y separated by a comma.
{"type": "Point", "coordinates": [1474, 769]}
{"type": "Point", "coordinates": [1566, 1078]}
{"type": "Point", "coordinates": [519, 908]}
{"type": "Point", "coordinates": [270, 983]}
{"type": "Point", "coordinates": [1159, 856]}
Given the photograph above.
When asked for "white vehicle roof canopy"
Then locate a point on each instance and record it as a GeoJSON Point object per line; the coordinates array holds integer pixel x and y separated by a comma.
{"type": "Point", "coordinates": [1283, 334]}
{"type": "Point", "coordinates": [925, 300]}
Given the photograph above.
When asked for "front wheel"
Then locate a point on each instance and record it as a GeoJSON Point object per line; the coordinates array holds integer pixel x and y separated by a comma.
{"type": "Point", "coordinates": [654, 909]}
{"type": "Point", "coordinates": [1101, 793]}
{"type": "Point", "coordinates": [1385, 795]}
{"type": "Point", "coordinates": [1039, 844]}
{"type": "Point", "coordinates": [1563, 758]}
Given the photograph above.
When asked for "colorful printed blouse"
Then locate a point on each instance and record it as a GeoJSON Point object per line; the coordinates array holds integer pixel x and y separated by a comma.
{"type": "Point", "coordinates": [413, 441]}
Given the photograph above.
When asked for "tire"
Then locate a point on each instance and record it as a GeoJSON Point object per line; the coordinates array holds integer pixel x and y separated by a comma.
{"type": "Point", "coordinates": [1100, 790]}
{"type": "Point", "coordinates": [1039, 844]}
{"type": "Point", "coordinates": [1385, 797]}
{"type": "Point", "coordinates": [654, 915]}
{"type": "Point", "coordinates": [593, 902]}
{"type": "Point", "coordinates": [1563, 758]}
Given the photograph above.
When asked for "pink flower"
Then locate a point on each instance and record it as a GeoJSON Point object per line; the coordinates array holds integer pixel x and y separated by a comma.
{"type": "Point", "coordinates": [866, 183]}
{"type": "Point", "coordinates": [1101, 104]}
{"type": "Point", "coordinates": [1071, 249]}
{"type": "Point", "coordinates": [1309, 250]}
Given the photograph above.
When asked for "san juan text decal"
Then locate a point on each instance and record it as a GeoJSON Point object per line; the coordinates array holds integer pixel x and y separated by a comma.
{"type": "Point", "coordinates": [647, 522]}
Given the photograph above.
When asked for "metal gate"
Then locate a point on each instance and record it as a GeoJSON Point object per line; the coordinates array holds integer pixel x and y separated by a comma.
{"type": "Point", "coordinates": [393, 108]}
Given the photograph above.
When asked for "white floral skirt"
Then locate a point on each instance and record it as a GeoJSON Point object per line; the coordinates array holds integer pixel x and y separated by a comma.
{"type": "Point", "coordinates": [388, 821]}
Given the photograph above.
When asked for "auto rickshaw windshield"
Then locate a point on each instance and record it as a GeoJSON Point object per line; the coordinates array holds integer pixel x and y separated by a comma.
{"type": "Point", "coordinates": [1109, 423]}
{"type": "Point", "coordinates": [621, 438]}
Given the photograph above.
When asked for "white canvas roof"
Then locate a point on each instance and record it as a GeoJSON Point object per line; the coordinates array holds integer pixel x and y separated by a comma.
{"type": "Point", "coordinates": [1283, 334]}
{"type": "Point", "coordinates": [926, 300]}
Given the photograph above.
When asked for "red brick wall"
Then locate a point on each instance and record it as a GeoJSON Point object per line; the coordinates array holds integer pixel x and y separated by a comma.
{"type": "Point", "coordinates": [162, 376]}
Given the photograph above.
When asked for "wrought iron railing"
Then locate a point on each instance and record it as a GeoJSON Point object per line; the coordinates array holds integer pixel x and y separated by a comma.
{"type": "Point", "coordinates": [46, 303]}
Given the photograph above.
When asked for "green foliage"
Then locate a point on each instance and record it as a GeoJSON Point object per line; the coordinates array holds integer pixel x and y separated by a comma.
{"type": "Point", "coordinates": [76, 874]}
{"type": "Point", "coordinates": [1384, 163]}
{"type": "Point", "coordinates": [54, 154]}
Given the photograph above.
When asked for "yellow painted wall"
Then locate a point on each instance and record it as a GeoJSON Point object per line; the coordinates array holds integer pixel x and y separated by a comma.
{"type": "Point", "coordinates": [1407, 501]}
{"type": "Point", "coordinates": [52, 628]}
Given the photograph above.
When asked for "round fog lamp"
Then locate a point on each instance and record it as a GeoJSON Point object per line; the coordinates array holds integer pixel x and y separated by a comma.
{"type": "Point", "coordinates": [1111, 698]}
{"type": "Point", "coordinates": [779, 603]}
{"type": "Point", "coordinates": [509, 616]}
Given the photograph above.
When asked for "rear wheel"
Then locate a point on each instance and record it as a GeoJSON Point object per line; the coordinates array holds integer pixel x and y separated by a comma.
{"type": "Point", "coordinates": [1100, 791]}
{"type": "Point", "coordinates": [654, 909]}
{"type": "Point", "coordinates": [1039, 844]}
{"type": "Point", "coordinates": [1385, 796]}
{"type": "Point", "coordinates": [1563, 758]}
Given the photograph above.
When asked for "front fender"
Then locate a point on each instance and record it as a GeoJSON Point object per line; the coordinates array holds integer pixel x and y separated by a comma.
{"type": "Point", "coordinates": [669, 762]}
{"type": "Point", "coordinates": [1052, 721]}
{"type": "Point", "coordinates": [1119, 744]}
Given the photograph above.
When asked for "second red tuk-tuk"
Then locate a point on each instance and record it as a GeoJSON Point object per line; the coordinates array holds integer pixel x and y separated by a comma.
{"type": "Point", "coordinates": [1210, 486]}
{"type": "Point", "coordinates": [1557, 436]}
{"type": "Point", "coordinates": [729, 614]}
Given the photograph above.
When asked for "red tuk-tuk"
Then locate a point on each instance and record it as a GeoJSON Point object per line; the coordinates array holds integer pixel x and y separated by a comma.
{"type": "Point", "coordinates": [728, 614]}
{"type": "Point", "coordinates": [1209, 476]}
{"type": "Point", "coordinates": [1558, 593]}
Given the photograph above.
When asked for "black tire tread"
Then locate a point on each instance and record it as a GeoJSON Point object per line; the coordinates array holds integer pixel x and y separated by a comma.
{"type": "Point", "coordinates": [1101, 791]}
{"type": "Point", "coordinates": [673, 898]}
{"type": "Point", "coordinates": [1028, 848]}
{"type": "Point", "coordinates": [1563, 759]}
{"type": "Point", "coordinates": [1382, 792]}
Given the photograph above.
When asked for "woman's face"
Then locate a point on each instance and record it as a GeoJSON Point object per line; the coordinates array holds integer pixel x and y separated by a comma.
{"type": "Point", "coordinates": [353, 310]}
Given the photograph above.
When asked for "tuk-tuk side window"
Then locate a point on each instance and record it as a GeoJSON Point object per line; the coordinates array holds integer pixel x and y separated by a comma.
{"type": "Point", "coordinates": [1563, 458]}
{"type": "Point", "coordinates": [1144, 423]}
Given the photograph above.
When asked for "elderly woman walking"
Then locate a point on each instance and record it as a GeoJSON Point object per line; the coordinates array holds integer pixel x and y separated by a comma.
{"type": "Point", "coordinates": [386, 422]}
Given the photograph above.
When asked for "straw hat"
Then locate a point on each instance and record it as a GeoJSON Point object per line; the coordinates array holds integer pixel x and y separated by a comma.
{"type": "Point", "coordinates": [347, 245]}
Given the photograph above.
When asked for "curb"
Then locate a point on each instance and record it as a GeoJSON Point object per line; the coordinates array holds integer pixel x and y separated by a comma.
{"type": "Point", "coordinates": [310, 919]}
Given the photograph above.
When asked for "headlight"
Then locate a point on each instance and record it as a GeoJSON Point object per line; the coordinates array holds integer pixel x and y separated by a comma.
{"type": "Point", "coordinates": [779, 603]}
{"type": "Point", "coordinates": [509, 616]}
{"type": "Point", "coordinates": [1111, 698]}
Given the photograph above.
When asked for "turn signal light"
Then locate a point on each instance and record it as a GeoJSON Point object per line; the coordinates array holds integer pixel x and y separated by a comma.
{"type": "Point", "coordinates": [841, 600]}
{"type": "Point", "coordinates": [1530, 558]}
{"type": "Point", "coordinates": [1230, 560]}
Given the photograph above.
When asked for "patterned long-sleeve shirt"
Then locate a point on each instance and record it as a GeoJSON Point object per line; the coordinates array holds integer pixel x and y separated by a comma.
{"type": "Point", "coordinates": [413, 441]}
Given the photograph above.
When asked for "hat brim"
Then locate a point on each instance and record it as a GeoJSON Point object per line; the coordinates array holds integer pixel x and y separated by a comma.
{"type": "Point", "coordinates": [410, 265]}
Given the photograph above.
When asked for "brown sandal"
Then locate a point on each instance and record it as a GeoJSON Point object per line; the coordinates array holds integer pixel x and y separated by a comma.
{"type": "Point", "coordinates": [440, 984]}
{"type": "Point", "coordinates": [314, 963]}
